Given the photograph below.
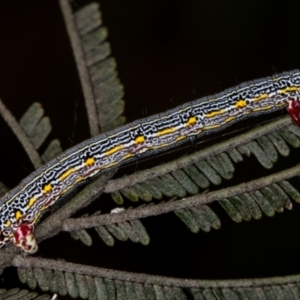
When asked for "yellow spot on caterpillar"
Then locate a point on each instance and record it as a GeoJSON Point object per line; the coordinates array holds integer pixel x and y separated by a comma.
{"type": "Point", "coordinates": [36, 217]}
{"type": "Point", "coordinates": [191, 121]}
{"type": "Point", "coordinates": [79, 179]}
{"type": "Point", "coordinates": [212, 127]}
{"type": "Point", "coordinates": [140, 139]}
{"type": "Point", "coordinates": [66, 190]}
{"type": "Point", "coordinates": [47, 188]}
{"type": "Point", "coordinates": [166, 131]}
{"type": "Point", "coordinates": [127, 156]}
{"type": "Point", "coordinates": [31, 202]}
{"type": "Point", "coordinates": [215, 113]}
{"type": "Point", "coordinates": [180, 138]}
{"type": "Point", "coordinates": [229, 119]}
{"type": "Point", "coordinates": [114, 150]}
{"type": "Point", "coordinates": [260, 97]}
{"type": "Point", "coordinates": [160, 146]}
{"type": "Point", "coordinates": [7, 223]}
{"type": "Point", "coordinates": [288, 89]}
{"type": "Point", "coordinates": [262, 108]}
{"type": "Point", "coordinates": [66, 174]}
{"type": "Point", "coordinates": [18, 215]}
{"type": "Point", "coordinates": [43, 208]}
{"type": "Point", "coordinates": [240, 104]}
{"type": "Point", "coordinates": [90, 161]}
{"type": "Point", "coordinates": [109, 165]}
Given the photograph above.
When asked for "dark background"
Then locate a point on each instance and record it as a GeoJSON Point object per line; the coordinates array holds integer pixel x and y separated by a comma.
{"type": "Point", "coordinates": [168, 53]}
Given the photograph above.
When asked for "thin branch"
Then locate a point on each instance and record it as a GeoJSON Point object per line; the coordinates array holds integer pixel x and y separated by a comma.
{"type": "Point", "coordinates": [117, 184]}
{"type": "Point", "coordinates": [31, 262]}
{"type": "Point", "coordinates": [93, 221]}
{"type": "Point", "coordinates": [21, 135]}
{"type": "Point", "coordinates": [82, 68]}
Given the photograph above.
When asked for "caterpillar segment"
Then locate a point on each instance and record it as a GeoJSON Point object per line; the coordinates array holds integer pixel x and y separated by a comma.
{"type": "Point", "coordinates": [22, 207]}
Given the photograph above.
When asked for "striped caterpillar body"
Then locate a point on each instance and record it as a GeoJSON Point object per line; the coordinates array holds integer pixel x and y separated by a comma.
{"type": "Point", "coordinates": [21, 208]}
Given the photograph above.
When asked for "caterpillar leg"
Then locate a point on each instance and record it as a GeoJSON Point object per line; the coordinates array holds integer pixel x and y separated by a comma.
{"type": "Point", "coordinates": [24, 238]}
{"type": "Point", "coordinates": [293, 109]}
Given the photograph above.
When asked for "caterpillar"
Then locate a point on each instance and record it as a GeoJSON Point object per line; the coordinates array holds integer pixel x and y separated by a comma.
{"type": "Point", "coordinates": [22, 207]}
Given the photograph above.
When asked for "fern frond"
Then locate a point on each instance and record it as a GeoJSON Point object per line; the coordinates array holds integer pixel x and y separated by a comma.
{"type": "Point", "coordinates": [83, 236]}
{"type": "Point", "coordinates": [199, 218]}
{"type": "Point", "coordinates": [37, 134]}
{"type": "Point", "coordinates": [16, 294]}
{"type": "Point", "coordinates": [132, 230]}
{"type": "Point", "coordinates": [101, 87]}
{"type": "Point", "coordinates": [82, 281]}
{"type": "Point", "coordinates": [257, 195]}
{"type": "Point", "coordinates": [32, 130]}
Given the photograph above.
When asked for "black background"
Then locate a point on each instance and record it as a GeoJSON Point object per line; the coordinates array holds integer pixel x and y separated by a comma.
{"type": "Point", "coordinates": [168, 53]}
